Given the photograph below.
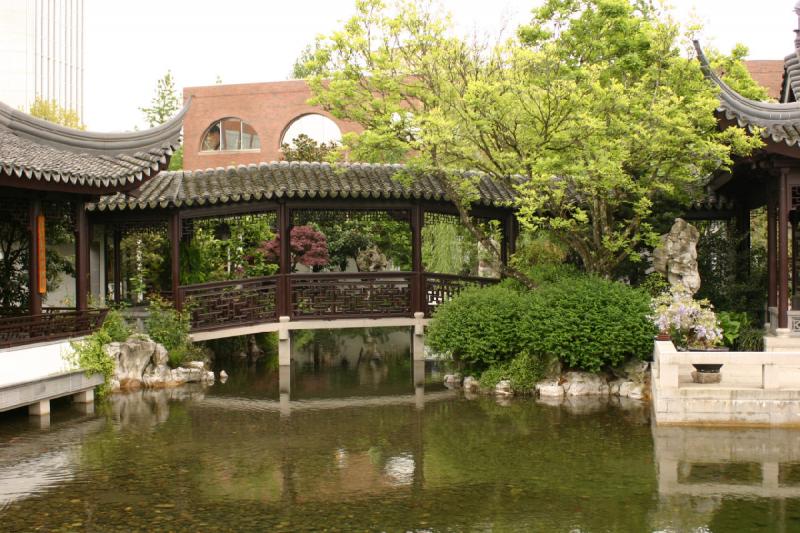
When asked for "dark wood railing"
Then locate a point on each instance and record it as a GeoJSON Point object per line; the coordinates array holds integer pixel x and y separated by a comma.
{"type": "Point", "coordinates": [318, 295]}
{"type": "Point", "coordinates": [229, 303]}
{"type": "Point", "coordinates": [350, 295]}
{"type": "Point", "coordinates": [52, 324]}
{"type": "Point", "coordinates": [440, 288]}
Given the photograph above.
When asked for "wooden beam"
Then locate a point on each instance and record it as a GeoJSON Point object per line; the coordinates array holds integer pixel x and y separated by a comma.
{"type": "Point", "coordinates": [772, 248]}
{"type": "Point", "coordinates": [117, 266]}
{"type": "Point", "coordinates": [175, 258]}
{"type": "Point", "coordinates": [284, 260]}
{"type": "Point", "coordinates": [418, 299]}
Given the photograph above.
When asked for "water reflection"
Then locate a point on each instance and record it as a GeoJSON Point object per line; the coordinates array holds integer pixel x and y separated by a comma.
{"type": "Point", "coordinates": [297, 449]}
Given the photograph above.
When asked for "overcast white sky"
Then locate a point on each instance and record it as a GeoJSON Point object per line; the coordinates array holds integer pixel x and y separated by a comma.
{"type": "Point", "coordinates": [129, 45]}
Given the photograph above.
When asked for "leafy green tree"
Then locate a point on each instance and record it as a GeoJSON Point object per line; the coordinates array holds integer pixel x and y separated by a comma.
{"type": "Point", "coordinates": [163, 106]}
{"type": "Point", "coordinates": [592, 105]}
{"type": "Point", "coordinates": [51, 111]}
{"type": "Point", "coordinates": [304, 148]}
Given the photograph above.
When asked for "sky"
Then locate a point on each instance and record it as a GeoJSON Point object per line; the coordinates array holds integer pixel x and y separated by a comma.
{"type": "Point", "coordinates": [130, 44]}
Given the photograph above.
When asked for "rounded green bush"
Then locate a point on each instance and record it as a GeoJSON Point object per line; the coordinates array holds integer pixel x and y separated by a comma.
{"type": "Point", "coordinates": [588, 323]}
{"type": "Point", "coordinates": [480, 327]}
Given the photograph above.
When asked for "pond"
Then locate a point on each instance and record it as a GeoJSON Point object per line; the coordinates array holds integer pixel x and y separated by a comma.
{"type": "Point", "coordinates": [358, 438]}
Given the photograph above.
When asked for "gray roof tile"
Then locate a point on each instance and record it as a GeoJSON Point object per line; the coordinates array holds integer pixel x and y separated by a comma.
{"type": "Point", "coordinates": [290, 180]}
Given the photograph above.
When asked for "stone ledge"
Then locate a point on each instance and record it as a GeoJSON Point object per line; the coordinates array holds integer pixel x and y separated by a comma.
{"type": "Point", "coordinates": [48, 388]}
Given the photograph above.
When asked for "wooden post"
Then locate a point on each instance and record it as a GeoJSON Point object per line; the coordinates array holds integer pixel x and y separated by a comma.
{"type": "Point", "coordinates": [772, 245]}
{"type": "Point", "coordinates": [783, 251]}
{"type": "Point", "coordinates": [743, 243]}
{"type": "Point", "coordinates": [284, 260]}
{"type": "Point", "coordinates": [82, 271]}
{"type": "Point", "coordinates": [175, 257]}
{"type": "Point", "coordinates": [418, 297]}
{"type": "Point", "coordinates": [793, 237]}
{"type": "Point", "coordinates": [509, 237]}
{"type": "Point", "coordinates": [35, 302]}
{"type": "Point", "coordinates": [117, 266]}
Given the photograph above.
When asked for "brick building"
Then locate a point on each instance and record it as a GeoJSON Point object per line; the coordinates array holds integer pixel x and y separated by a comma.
{"type": "Point", "coordinates": [246, 123]}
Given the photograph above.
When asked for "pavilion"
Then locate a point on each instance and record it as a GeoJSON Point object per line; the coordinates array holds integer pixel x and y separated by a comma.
{"type": "Point", "coordinates": [48, 174]}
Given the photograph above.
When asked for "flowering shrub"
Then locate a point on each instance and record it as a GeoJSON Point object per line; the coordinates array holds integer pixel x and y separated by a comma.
{"type": "Point", "coordinates": [691, 323]}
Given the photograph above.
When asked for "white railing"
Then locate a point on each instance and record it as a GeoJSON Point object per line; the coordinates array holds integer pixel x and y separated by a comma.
{"type": "Point", "coordinates": [769, 369]}
{"type": "Point", "coordinates": [794, 322]}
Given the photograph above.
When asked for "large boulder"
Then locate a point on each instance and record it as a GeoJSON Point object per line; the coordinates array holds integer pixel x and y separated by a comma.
{"type": "Point", "coordinates": [550, 388]}
{"type": "Point", "coordinates": [584, 384]}
{"type": "Point", "coordinates": [131, 359]}
{"type": "Point", "coordinates": [676, 256]}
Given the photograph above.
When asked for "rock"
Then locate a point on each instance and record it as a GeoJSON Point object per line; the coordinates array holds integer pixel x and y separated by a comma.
{"type": "Point", "coordinates": [503, 388]}
{"type": "Point", "coordinates": [223, 375]}
{"type": "Point", "coordinates": [196, 364]}
{"type": "Point", "coordinates": [471, 384]}
{"type": "Point", "coordinates": [550, 388]}
{"type": "Point", "coordinates": [584, 384]}
{"type": "Point", "coordinates": [160, 356]}
{"type": "Point", "coordinates": [676, 256]}
{"type": "Point", "coordinates": [452, 379]}
{"type": "Point", "coordinates": [131, 359]}
{"type": "Point", "coordinates": [614, 386]}
{"type": "Point", "coordinates": [636, 370]}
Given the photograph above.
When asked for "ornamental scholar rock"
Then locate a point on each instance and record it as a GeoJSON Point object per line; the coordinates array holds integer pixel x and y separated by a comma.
{"type": "Point", "coordinates": [141, 362]}
{"type": "Point", "coordinates": [676, 256]}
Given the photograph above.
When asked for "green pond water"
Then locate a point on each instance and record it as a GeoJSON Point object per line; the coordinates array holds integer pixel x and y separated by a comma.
{"type": "Point", "coordinates": [376, 443]}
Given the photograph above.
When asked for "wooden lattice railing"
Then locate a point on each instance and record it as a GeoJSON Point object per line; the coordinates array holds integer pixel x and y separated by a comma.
{"type": "Point", "coordinates": [230, 303]}
{"type": "Point", "coordinates": [350, 295]}
{"type": "Point", "coordinates": [318, 295]}
{"type": "Point", "coordinates": [52, 324]}
{"type": "Point", "coordinates": [440, 288]}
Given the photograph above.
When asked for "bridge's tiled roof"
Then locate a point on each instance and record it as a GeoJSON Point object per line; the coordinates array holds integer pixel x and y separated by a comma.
{"type": "Point", "coordinates": [39, 151]}
{"type": "Point", "coordinates": [779, 122]}
{"type": "Point", "coordinates": [291, 180]}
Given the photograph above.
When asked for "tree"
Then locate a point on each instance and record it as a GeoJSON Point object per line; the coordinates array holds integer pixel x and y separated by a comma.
{"type": "Point", "coordinates": [304, 148]}
{"type": "Point", "coordinates": [163, 106]}
{"type": "Point", "coordinates": [590, 111]}
{"type": "Point", "coordinates": [307, 246]}
{"type": "Point", "coordinates": [303, 66]}
{"type": "Point", "coordinates": [51, 111]}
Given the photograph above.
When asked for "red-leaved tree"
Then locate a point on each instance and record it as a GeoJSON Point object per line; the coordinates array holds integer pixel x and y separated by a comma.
{"type": "Point", "coordinates": [307, 246]}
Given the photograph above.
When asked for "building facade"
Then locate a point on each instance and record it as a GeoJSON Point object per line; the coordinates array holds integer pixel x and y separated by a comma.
{"type": "Point", "coordinates": [41, 52]}
{"type": "Point", "coordinates": [246, 123]}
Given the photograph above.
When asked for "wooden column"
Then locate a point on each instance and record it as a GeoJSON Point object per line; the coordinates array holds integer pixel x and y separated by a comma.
{"type": "Point", "coordinates": [772, 250]}
{"type": "Point", "coordinates": [284, 261]}
{"type": "Point", "coordinates": [175, 257]}
{"type": "Point", "coordinates": [117, 266]}
{"type": "Point", "coordinates": [509, 237]}
{"type": "Point", "coordinates": [783, 250]}
{"type": "Point", "coordinates": [743, 243]}
{"type": "Point", "coordinates": [793, 237]}
{"type": "Point", "coordinates": [82, 271]}
{"type": "Point", "coordinates": [418, 297]}
{"type": "Point", "coordinates": [35, 302]}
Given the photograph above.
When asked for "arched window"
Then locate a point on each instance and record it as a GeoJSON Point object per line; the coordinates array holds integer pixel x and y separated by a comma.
{"type": "Point", "coordinates": [318, 127]}
{"type": "Point", "coordinates": [230, 134]}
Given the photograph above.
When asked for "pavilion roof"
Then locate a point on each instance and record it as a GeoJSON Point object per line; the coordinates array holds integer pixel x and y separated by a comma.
{"type": "Point", "coordinates": [295, 180]}
{"type": "Point", "coordinates": [38, 154]}
{"type": "Point", "coordinates": [779, 122]}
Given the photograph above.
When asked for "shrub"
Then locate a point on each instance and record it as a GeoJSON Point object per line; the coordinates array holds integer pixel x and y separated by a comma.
{"type": "Point", "coordinates": [480, 327]}
{"type": "Point", "coordinates": [523, 371]}
{"type": "Point", "coordinates": [588, 323]}
{"type": "Point", "coordinates": [116, 327]}
{"type": "Point", "coordinates": [166, 325]}
{"type": "Point", "coordinates": [90, 355]}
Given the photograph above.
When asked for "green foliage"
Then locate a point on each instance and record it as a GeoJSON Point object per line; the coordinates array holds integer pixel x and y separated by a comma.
{"type": "Point", "coordinates": [176, 161]}
{"type": "Point", "coordinates": [304, 148]}
{"type": "Point", "coordinates": [595, 92]}
{"type": "Point", "coordinates": [90, 355]}
{"type": "Point", "coordinates": [480, 327]}
{"type": "Point", "coordinates": [523, 371]}
{"type": "Point", "coordinates": [655, 284]}
{"type": "Point", "coordinates": [185, 353]}
{"type": "Point", "coordinates": [538, 248]}
{"type": "Point", "coordinates": [588, 323]}
{"type": "Point", "coordinates": [116, 327]}
{"type": "Point", "coordinates": [732, 324]}
{"type": "Point", "coordinates": [51, 111]}
{"type": "Point", "coordinates": [164, 104]}
{"type": "Point", "coordinates": [168, 326]}
{"type": "Point", "coordinates": [750, 339]}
